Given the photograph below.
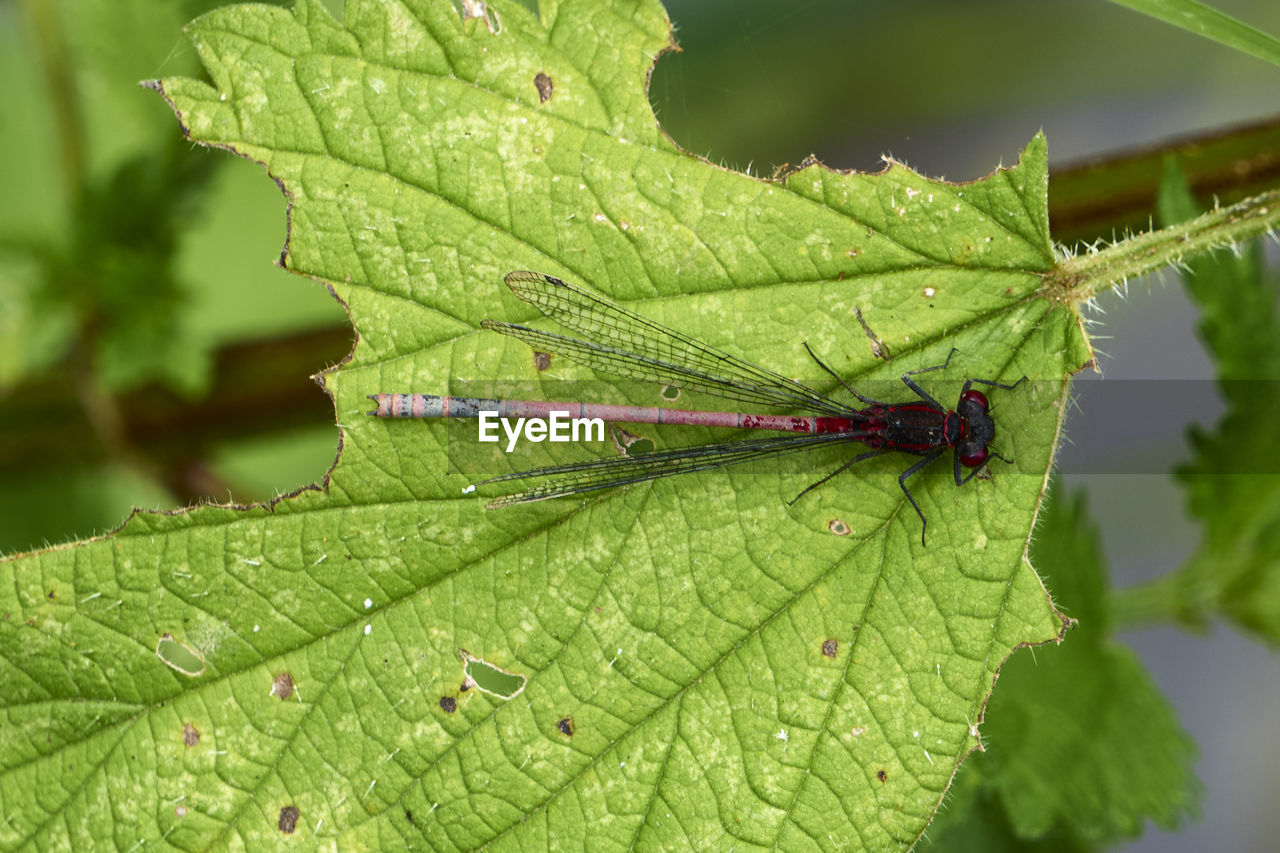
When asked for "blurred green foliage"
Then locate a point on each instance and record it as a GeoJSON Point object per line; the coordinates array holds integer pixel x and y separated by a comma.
{"type": "Point", "coordinates": [127, 257]}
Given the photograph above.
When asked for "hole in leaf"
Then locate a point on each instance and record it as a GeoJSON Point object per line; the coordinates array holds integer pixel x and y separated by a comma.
{"type": "Point", "coordinates": [448, 704]}
{"type": "Point", "coordinates": [565, 725]}
{"type": "Point", "coordinates": [629, 443]}
{"type": "Point", "coordinates": [179, 656]}
{"type": "Point", "coordinates": [489, 678]}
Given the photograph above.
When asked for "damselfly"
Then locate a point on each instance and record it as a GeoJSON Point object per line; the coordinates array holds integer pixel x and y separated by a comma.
{"type": "Point", "coordinates": [623, 343]}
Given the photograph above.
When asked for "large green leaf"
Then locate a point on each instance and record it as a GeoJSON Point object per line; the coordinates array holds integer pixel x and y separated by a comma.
{"type": "Point", "coordinates": [696, 663]}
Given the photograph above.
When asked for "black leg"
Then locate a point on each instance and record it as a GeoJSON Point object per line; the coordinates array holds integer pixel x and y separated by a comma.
{"type": "Point", "coordinates": [837, 378]}
{"type": "Point", "coordinates": [845, 467]}
{"type": "Point", "coordinates": [920, 392]}
{"type": "Point", "coordinates": [902, 481]}
{"type": "Point", "coordinates": [1002, 386]}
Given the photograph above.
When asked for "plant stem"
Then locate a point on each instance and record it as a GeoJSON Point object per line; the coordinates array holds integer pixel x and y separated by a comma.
{"type": "Point", "coordinates": [1084, 276]}
{"type": "Point", "coordinates": [1116, 194]}
{"type": "Point", "coordinates": [1151, 602]}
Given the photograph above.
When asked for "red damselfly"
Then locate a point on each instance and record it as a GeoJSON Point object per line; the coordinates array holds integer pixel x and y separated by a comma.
{"type": "Point", "coordinates": [625, 344]}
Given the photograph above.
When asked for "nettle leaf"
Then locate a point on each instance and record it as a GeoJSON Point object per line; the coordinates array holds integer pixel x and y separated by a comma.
{"type": "Point", "coordinates": [686, 663]}
{"type": "Point", "coordinates": [1082, 748]}
{"type": "Point", "coordinates": [1231, 484]}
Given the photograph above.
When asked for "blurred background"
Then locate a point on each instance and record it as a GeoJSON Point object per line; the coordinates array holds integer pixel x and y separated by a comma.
{"type": "Point", "coordinates": [152, 356]}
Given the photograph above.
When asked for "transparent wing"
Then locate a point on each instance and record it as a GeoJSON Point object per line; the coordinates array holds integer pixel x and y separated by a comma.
{"type": "Point", "coordinates": [582, 477]}
{"type": "Point", "coordinates": [623, 343]}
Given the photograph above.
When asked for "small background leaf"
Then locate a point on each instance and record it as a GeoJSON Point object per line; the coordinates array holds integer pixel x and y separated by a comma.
{"type": "Point", "coordinates": [1235, 573]}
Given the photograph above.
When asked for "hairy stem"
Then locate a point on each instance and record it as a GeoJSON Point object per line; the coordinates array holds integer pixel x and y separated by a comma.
{"type": "Point", "coordinates": [1084, 276]}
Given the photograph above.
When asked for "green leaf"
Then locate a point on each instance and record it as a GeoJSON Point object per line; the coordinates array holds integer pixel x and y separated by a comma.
{"type": "Point", "coordinates": [702, 664]}
{"type": "Point", "coordinates": [1206, 21]}
{"type": "Point", "coordinates": [1080, 745]}
{"type": "Point", "coordinates": [1231, 483]}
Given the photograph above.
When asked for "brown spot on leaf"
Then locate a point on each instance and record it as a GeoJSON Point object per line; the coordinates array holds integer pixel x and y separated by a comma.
{"type": "Point", "coordinates": [448, 704]}
{"type": "Point", "coordinates": [190, 734]}
{"type": "Point", "coordinates": [282, 686]}
{"type": "Point", "coordinates": [882, 776]}
{"type": "Point", "coordinates": [565, 725]}
{"type": "Point", "coordinates": [838, 527]}
{"type": "Point", "coordinates": [541, 361]}
{"type": "Point", "coordinates": [289, 819]}
{"type": "Point", "coordinates": [829, 648]}
{"type": "Point", "coordinates": [543, 84]}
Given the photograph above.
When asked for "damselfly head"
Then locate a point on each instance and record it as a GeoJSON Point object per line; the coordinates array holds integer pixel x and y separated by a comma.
{"type": "Point", "coordinates": [979, 429]}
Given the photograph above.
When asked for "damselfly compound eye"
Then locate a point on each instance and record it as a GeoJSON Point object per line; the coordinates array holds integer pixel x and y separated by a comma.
{"type": "Point", "coordinates": [979, 454]}
{"type": "Point", "coordinates": [977, 397]}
